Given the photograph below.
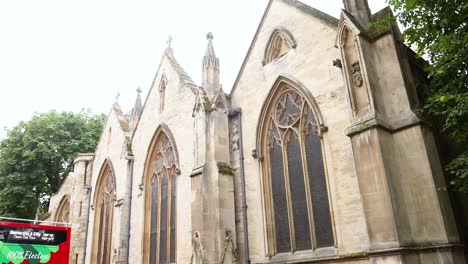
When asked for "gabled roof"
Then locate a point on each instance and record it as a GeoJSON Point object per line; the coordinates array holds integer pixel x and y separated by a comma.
{"type": "Point", "coordinates": [183, 75]}
{"type": "Point", "coordinates": [123, 122]}
{"type": "Point", "coordinates": [306, 9]}
{"type": "Point", "coordinates": [185, 78]}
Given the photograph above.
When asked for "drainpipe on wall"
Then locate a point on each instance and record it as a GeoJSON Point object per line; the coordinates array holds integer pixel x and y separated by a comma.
{"type": "Point", "coordinates": [238, 113]}
{"type": "Point", "coordinates": [130, 159]}
{"type": "Point", "coordinates": [89, 188]}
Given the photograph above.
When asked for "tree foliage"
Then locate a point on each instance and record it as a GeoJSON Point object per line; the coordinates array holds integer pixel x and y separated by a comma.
{"type": "Point", "coordinates": [37, 155]}
{"type": "Point", "coordinates": [438, 29]}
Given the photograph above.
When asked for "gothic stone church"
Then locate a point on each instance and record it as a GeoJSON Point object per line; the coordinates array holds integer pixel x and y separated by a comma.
{"type": "Point", "coordinates": [316, 156]}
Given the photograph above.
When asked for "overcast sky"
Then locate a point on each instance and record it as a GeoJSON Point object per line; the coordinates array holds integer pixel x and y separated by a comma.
{"type": "Point", "coordinates": [69, 55]}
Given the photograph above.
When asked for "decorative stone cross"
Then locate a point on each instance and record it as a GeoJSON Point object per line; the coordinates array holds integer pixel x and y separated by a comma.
{"type": "Point", "coordinates": [169, 40]}
{"type": "Point", "coordinates": [209, 35]}
{"type": "Point", "coordinates": [138, 90]}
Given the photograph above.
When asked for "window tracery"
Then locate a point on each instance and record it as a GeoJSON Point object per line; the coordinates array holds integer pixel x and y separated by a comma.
{"type": "Point", "coordinates": [161, 202]}
{"type": "Point", "coordinates": [104, 204]}
{"type": "Point", "coordinates": [279, 44]}
{"type": "Point", "coordinates": [297, 202]}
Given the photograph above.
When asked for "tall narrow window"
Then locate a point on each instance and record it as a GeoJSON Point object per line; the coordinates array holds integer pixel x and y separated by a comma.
{"type": "Point", "coordinates": [104, 201]}
{"type": "Point", "coordinates": [160, 220]}
{"type": "Point", "coordinates": [162, 94]}
{"type": "Point", "coordinates": [298, 210]}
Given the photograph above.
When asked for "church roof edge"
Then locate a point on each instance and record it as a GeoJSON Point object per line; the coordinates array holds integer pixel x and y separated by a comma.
{"type": "Point", "coordinates": [326, 18]}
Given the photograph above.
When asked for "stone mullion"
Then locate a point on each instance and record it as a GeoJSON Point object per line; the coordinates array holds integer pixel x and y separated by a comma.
{"type": "Point", "coordinates": [287, 185]}
{"type": "Point", "coordinates": [158, 220]}
{"type": "Point", "coordinates": [329, 194]}
{"type": "Point", "coordinates": [302, 137]}
{"type": "Point", "coordinates": [269, 204]}
{"type": "Point", "coordinates": [168, 213]}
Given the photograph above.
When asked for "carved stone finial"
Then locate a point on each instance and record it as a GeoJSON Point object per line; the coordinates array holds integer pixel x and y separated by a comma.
{"type": "Point", "coordinates": [209, 35]}
{"type": "Point", "coordinates": [138, 90]}
{"type": "Point", "coordinates": [117, 97]}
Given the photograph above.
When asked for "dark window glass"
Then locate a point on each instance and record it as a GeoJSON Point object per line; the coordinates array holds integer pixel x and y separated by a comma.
{"type": "Point", "coordinates": [105, 257]}
{"type": "Point", "coordinates": [100, 227]}
{"type": "Point", "coordinates": [280, 206]}
{"type": "Point", "coordinates": [298, 195]}
{"type": "Point", "coordinates": [154, 220]}
{"type": "Point", "coordinates": [163, 217]}
{"type": "Point", "coordinates": [163, 223]}
{"type": "Point", "coordinates": [173, 214]}
{"type": "Point", "coordinates": [318, 189]}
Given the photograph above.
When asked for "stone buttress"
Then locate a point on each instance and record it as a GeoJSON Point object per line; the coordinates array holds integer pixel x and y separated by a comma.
{"type": "Point", "coordinates": [407, 211]}
{"type": "Point", "coordinates": [213, 212]}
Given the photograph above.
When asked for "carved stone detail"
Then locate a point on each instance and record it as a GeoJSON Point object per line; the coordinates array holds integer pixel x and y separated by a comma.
{"type": "Point", "coordinates": [235, 136]}
{"type": "Point", "coordinates": [198, 253]}
{"type": "Point", "coordinates": [356, 74]}
{"type": "Point", "coordinates": [255, 153]}
{"type": "Point", "coordinates": [229, 248]}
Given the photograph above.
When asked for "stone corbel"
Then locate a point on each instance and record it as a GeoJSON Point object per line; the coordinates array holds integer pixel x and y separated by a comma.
{"type": "Point", "coordinates": [224, 168]}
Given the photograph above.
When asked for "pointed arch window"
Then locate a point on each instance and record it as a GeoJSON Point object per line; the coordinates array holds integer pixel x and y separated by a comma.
{"type": "Point", "coordinates": [162, 93]}
{"type": "Point", "coordinates": [160, 202]}
{"type": "Point", "coordinates": [63, 212]}
{"type": "Point", "coordinates": [104, 204]}
{"type": "Point", "coordinates": [295, 185]}
{"type": "Point", "coordinates": [281, 42]}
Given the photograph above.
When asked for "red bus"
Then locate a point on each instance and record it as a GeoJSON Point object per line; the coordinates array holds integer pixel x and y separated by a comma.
{"type": "Point", "coordinates": [24, 243]}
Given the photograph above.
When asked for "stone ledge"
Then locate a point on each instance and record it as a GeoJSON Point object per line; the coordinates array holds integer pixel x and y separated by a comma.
{"type": "Point", "coordinates": [197, 171]}
{"type": "Point", "coordinates": [372, 253]}
{"type": "Point", "coordinates": [375, 122]}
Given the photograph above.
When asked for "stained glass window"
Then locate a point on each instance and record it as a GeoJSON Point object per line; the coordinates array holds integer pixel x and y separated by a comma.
{"type": "Point", "coordinates": [103, 217]}
{"type": "Point", "coordinates": [162, 201]}
{"type": "Point", "coordinates": [299, 214]}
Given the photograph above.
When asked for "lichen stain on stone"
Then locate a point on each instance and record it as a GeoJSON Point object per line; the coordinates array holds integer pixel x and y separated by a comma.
{"type": "Point", "coordinates": [224, 168]}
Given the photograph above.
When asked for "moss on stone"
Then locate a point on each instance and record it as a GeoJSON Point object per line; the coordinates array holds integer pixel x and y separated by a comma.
{"type": "Point", "coordinates": [224, 168]}
{"type": "Point", "coordinates": [207, 104]}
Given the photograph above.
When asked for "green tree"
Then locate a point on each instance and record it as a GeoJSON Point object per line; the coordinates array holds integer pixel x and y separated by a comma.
{"type": "Point", "coordinates": [37, 155]}
{"type": "Point", "coordinates": [438, 29]}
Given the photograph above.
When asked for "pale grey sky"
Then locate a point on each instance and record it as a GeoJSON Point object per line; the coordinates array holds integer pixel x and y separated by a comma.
{"type": "Point", "coordinates": [69, 55]}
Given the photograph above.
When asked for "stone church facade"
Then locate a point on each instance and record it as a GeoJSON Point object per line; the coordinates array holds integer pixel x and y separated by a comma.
{"type": "Point", "coordinates": [316, 156]}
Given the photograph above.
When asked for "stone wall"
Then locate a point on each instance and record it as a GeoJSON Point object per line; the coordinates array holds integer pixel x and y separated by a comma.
{"type": "Point", "coordinates": [177, 117]}
{"type": "Point", "coordinates": [309, 64]}
{"type": "Point", "coordinates": [75, 190]}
